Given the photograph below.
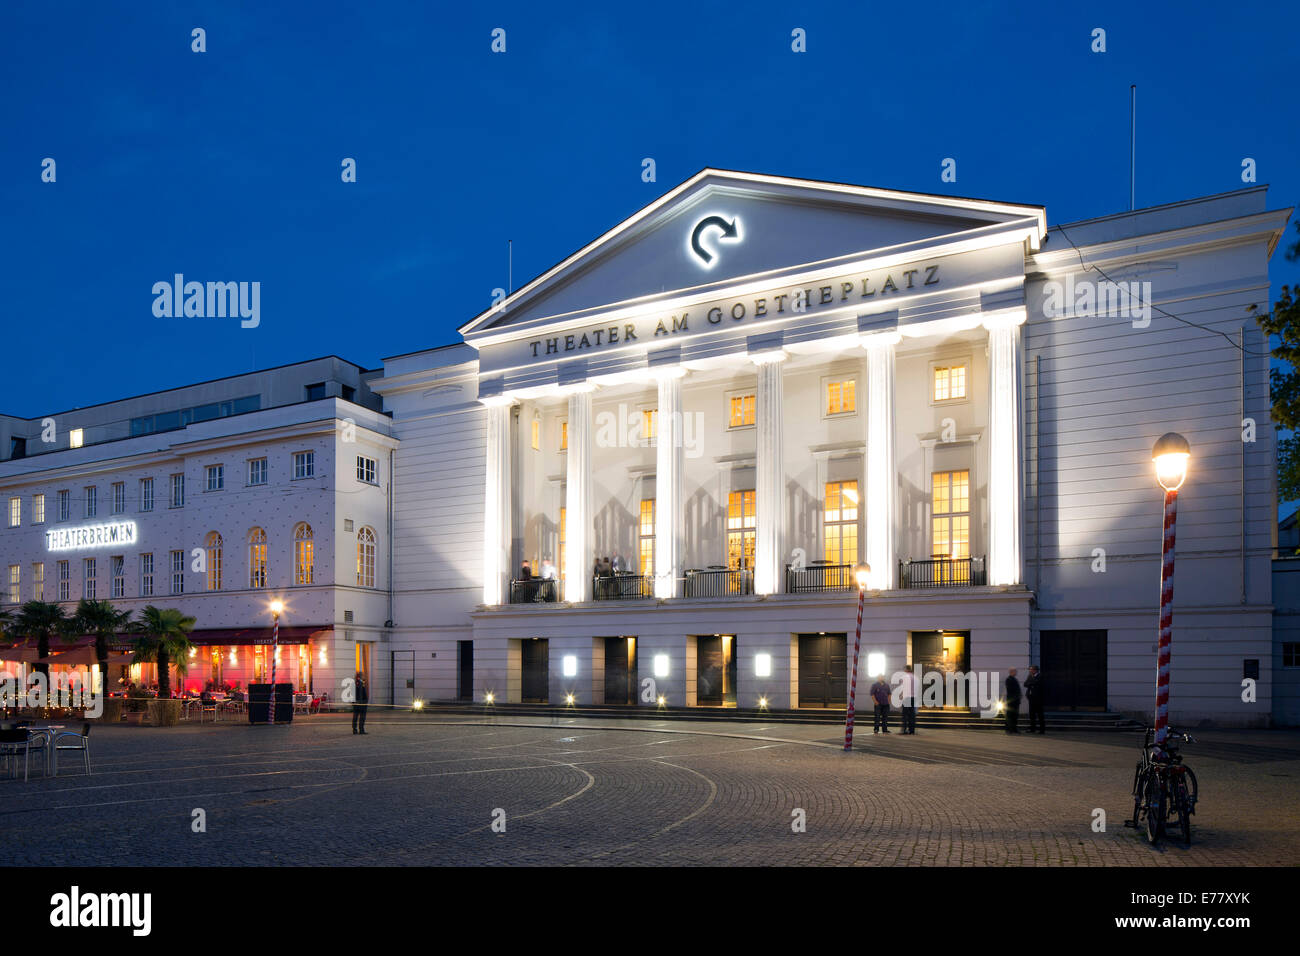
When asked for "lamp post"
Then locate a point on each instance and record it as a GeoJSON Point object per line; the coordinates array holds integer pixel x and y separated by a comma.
{"type": "Point", "coordinates": [861, 573]}
{"type": "Point", "coordinates": [276, 607]}
{"type": "Point", "coordinates": [1170, 454]}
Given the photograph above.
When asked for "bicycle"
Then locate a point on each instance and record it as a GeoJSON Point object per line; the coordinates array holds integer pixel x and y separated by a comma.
{"type": "Point", "coordinates": [1164, 788]}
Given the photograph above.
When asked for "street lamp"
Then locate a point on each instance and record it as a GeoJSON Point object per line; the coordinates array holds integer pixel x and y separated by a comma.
{"type": "Point", "coordinates": [276, 607]}
{"type": "Point", "coordinates": [1171, 455]}
{"type": "Point", "coordinates": [861, 575]}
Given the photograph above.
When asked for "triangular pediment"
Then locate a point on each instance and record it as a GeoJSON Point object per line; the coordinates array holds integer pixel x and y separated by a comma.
{"type": "Point", "coordinates": [720, 227]}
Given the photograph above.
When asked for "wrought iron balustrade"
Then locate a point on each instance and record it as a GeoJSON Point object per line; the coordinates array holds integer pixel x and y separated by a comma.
{"type": "Point", "coordinates": [942, 573]}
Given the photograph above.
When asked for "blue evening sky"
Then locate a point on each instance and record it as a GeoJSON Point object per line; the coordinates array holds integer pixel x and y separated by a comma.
{"type": "Point", "coordinates": [225, 165]}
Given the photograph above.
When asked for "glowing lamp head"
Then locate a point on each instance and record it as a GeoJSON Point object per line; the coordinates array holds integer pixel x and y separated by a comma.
{"type": "Point", "coordinates": [276, 607]}
{"type": "Point", "coordinates": [489, 697]}
{"type": "Point", "coordinates": [862, 575]}
{"type": "Point", "coordinates": [568, 699]}
{"type": "Point", "coordinates": [418, 704]}
{"type": "Point", "coordinates": [762, 703]}
{"type": "Point", "coordinates": [1171, 454]}
{"type": "Point", "coordinates": [662, 700]}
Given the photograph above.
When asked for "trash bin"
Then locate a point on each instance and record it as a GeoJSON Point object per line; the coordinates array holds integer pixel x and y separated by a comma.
{"type": "Point", "coordinates": [259, 703]}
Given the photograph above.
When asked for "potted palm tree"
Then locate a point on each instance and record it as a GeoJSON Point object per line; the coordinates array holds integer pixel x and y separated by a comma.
{"type": "Point", "coordinates": [104, 621]}
{"type": "Point", "coordinates": [164, 638]}
{"type": "Point", "coordinates": [45, 622]}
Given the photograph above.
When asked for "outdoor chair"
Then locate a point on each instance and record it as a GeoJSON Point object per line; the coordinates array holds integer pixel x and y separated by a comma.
{"type": "Point", "coordinates": [12, 743]}
{"type": "Point", "coordinates": [71, 740]}
{"type": "Point", "coordinates": [207, 706]}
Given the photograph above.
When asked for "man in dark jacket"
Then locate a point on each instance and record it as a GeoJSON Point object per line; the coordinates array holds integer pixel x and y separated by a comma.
{"type": "Point", "coordinates": [1013, 702]}
{"type": "Point", "coordinates": [359, 707]}
{"type": "Point", "coordinates": [1034, 694]}
{"type": "Point", "coordinates": [880, 694]}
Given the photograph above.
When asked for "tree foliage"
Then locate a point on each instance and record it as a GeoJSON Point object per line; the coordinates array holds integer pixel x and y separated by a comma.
{"type": "Point", "coordinates": [1282, 326]}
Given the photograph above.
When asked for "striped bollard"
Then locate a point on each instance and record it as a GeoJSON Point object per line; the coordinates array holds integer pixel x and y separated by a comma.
{"type": "Point", "coordinates": [1166, 621]}
{"type": "Point", "coordinates": [853, 682]}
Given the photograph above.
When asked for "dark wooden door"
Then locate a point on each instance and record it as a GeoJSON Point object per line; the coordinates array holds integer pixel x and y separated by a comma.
{"type": "Point", "coordinates": [465, 670]}
{"type": "Point", "coordinates": [708, 671]}
{"type": "Point", "coordinates": [1074, 669]}
{"type": "Point", "coordinates": [823, 670]}
{"type": "Point", "coordinates": [620, 670]}
{"type": "Point", "coordinates": [536, 671]}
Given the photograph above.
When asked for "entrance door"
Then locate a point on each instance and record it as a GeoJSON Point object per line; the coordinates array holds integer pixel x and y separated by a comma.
{"type": "Point", "coordinates": [620, 670]}
{"type": "Point", "coordinates": [708, 671]}
{"type": "Point", "coordinates": [536, 670]}
{"type": "Point", "coordinates": [464, 670]}
{"type": "Point", "coordinates": [944, 652]}
{"type": "Point", "coordinates": [823, 670]}
{"type": "Point", "coordinates": [1074, 669]}
{"type": "Point", "coordinates": [402, 675]}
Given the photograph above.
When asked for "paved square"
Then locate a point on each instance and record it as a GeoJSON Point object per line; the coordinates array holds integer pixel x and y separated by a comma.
{"type": "Point", "coordinates": [418, 790]}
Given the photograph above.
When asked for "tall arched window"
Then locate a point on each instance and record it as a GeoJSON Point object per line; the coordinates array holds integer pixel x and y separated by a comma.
{"type": "Point", "coordinates": [366, 558]}
{"type": "Point", "coordinates": [304, 558]}
{"type": "Point", "coordinates": [213, 544]}
{"type": "Point", "coordinates": [257, 558]}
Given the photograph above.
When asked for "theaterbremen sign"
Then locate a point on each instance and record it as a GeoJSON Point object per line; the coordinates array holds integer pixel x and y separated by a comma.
{"type": "Point", "coordinates": [91, 536]}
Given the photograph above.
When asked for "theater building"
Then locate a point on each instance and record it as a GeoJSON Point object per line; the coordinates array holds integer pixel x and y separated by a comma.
{"type": "Point", "coordinates": [216, 499]}
{"type": "Point", "coordinates": [755, 383]}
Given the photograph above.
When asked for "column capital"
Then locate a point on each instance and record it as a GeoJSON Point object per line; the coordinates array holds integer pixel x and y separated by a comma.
{"type": "Point", "coordinates": [881, 340]}
{"type": "Point", "coordinates": [498, 401]}
{"type": "Point", "coordinates": [1007, 319]}
{"type": "Point", "coordinates": [667, 372]}
{"type": "Point", "coordinates": [767, 358]}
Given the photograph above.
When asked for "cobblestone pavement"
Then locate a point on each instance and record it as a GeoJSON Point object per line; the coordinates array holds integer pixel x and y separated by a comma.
{"type": "Point", "coordinates": [424, 791]}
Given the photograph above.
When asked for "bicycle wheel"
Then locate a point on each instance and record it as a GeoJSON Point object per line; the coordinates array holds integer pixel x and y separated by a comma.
{"type": "Point", "coordinates": [1183, 807]}
{"type": "Point", "coordinates": [1154, 798]}
{"type": "Point", "coordinates": [1192, 793]}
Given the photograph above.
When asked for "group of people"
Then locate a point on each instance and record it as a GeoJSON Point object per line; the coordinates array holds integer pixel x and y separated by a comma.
{"type": "Point", "coordinates": [547, 578]}
{"type": "Point", "coordinates": [882, 698]}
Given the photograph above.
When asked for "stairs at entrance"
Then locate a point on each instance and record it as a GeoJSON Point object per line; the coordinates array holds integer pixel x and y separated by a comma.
{"type": "Point", "coordinates": [927, 717]}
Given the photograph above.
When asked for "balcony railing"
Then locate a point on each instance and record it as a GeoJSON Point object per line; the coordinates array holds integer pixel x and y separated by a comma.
{"type": "Point", "coordinates": [622, 587]}
{"type": "Point", "coordinates": [819, 577]}
{"type": "Point", "coordinates": [718, 582]}
{"type": "Point", "coordinates": [541, 590]}
{"type": "Point", "coordinates": [942, 573]}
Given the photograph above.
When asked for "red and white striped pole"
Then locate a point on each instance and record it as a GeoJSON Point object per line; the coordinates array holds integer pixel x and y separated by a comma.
{"type": "Point", "coordinates": [860, 573]}
{"type": "Point", "coordinates": [1166, 620]}
{"type": "Point", "coordinates": [275, 645]}
{"type": "Point", "coordinates": [1171, 455]}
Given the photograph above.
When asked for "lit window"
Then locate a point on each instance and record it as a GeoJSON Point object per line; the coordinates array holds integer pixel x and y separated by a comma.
{"type": "Point", "coordinates": [840, 524]}
{"type": "Point", "coordinates": [841, 397]}
{"type": "Point", "coordinates": [257, 558]}
{"type": "Point", "coordinates": [537, 434]}
{"type": "Point", "coordinates": [213, 543]}
{"type": "Point", "coordinates": [563, 522]}
{"type": "Point", "coordinates": [146, 575]}
{"type": "Point", "coordinates": [118, 563]}
{"type": "Point", "coordinates": [742, 411]}
{"type": "Point", "coordinates": [38, 581]}
{"type": "Point", "coordinates": [304, 558]}
{"type": "Point", "coordinates": [92, 580]}
{"type": "Point", "coordinates": [564, 436]}
{"type": "Point", "coordinates": [741, 525]}
{"type": "Point", "coordinates": [76, 438]}
{"type": "Point", "coordinates": [65, 575]}
{"type": "Point", "coordinates": [178, 572]}
{"type": "Point", "coordinates": [647, 536]}
{"type": "Point", "coordinates": [949, 382]}
{"type": "Point", "coordinates": [366, 558]}
{"type": "Point", "coordinates": [15, 583]}
{"type": "Point", "coordinates": [649, 425]}
{"type": "Point", "coordinates": [38, 509]}
{"type": "Point", "coordinates": [950, 515]}
{"type": "Point", "coordinates": [15, 512]}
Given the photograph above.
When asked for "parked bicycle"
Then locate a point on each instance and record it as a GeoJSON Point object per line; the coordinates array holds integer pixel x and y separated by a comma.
{"type": "Point", "coordinates": [1164, 789]}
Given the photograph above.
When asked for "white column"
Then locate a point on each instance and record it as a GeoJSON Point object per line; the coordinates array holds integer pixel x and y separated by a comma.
{"type": "Point", "coordinates": [496, 510]}
{"type": "Point", "coordinates": [669, 485]}
{"type": "Point", "coordinates": [769, 493]}
{"type": "Point", "coordinates": [881, 510]}
{"type": "Point", "coordinates": [1004, 484]}
{"type": "Point", "coordinates": [577, 499]}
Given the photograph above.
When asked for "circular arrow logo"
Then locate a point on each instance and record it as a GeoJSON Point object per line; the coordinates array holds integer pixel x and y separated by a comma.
{"type": "Point", "coordinates": [728, 232]}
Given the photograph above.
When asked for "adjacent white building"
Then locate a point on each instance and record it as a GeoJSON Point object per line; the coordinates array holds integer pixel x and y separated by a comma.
{"type": "Point", "coordinates": [755, 383]}
{"type": "Point", "coordinates": [216, 499]}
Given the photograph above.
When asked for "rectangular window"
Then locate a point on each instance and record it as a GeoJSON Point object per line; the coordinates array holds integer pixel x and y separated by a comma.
{"type": "Point", "coordinates": [367, 469]}
{"type": "Point", "coordinates": [564, 436]}
{"type": "Point", "coordinates": [840, 523]}
{"type": "Point", "coordinates": [178, 491]}
{"type": "Point", "coordinates": [65, 574]}
{"type": "Point", "coordinates": [563, 516]}
{"type": "Point", "coordinates": [949, 382]}
{"type": "Point", "coordinates": [92, 501]}
{"type": "Point", "coordinates": [257, 471]}
{"type": "Point", "coordinates": [537, 434]}
{"type": "Point", "coordinates": [146, 575]}
{"type": "Point", "coordinates": [38, 509]}
{"type": "Point", "coordinates": [742, 411]}
{"type": "Point", "coordinates": [216, 477]}
{"type": "Point", "coordinates": [647, 536]}
{"type": "Point", "coordinates": [741, 524]}
{"type": "Point", "coordinates": [304, 464]}
{"type": "Point", "coordinates": [15, 584]}
{"type": "Point", "coordinates": [119, 497]}
{"type": "Point", "coordinates": [1291, 654]}
{"type": "Point", "coordinates": [38, 581]}
{"type": "Point", "coordinates": [841, 397]}
{"type": "Point", "coordinates": [15, 512]}
{"type": "Point", "coordinates": [118, 563]}
{"type": "Point", "coordinates": [65, 505]}
{"type": "Point", "coordinates": [76, 438]}
{"type": "Point", "coordinates": [649, 425]}
{"type": "Point", "coordinates": [146, 494]}
{"type": "Point", "coordinates": [178, 572]}
{"type": "Point", "coordinates": [950, 514]}
{"type": "Point", "coordinates": [90, 592]}
{"type": "Point", "coordinates": [315, 391]}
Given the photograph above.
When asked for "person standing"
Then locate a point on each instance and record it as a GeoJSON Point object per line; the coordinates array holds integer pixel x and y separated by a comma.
{"type": "Point", "coordinates": [360, 701]}
{"type": "Point", "coordinates": [880, 694]}
{"type": "Point", "coordinates": [909, 700]}
{"type": "Point", "coordinates": [1013, 702]}
{"type": "Point", "coordinates": [1034, 695]}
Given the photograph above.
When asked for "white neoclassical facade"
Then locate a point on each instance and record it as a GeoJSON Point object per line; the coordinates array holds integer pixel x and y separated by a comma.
{"type": "Point", "coordinates": [692, 429]}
